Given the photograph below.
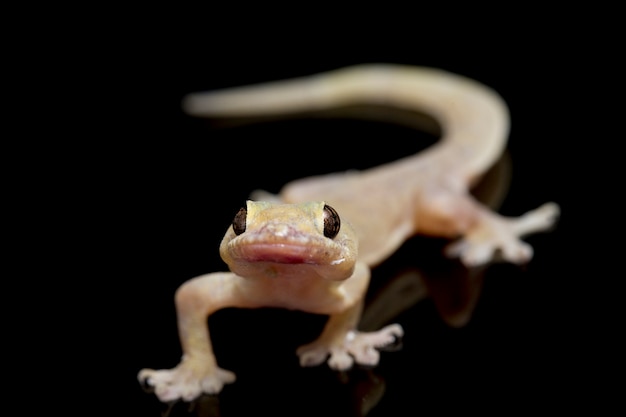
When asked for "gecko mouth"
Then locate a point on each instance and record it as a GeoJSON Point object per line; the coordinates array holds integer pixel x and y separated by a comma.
{"type": "Point", "coordinates": [279, 253]}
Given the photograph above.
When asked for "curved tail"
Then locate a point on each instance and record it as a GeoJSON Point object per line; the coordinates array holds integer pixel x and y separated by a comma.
{"type": "Point", "coordinates": [474, 119]}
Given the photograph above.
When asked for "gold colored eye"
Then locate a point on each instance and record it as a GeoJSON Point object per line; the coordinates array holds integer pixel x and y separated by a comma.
{"type": "Point", "coordinates": [239, 222]}
{"type": "Point", "coordinates": [332, 223]}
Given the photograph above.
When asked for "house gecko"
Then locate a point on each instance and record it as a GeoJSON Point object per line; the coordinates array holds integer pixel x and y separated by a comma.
{"type": "Point", "coordinates": [311, 247]}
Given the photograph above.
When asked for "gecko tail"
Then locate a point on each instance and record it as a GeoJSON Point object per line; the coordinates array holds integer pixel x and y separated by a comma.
{"type": "Point", "coordinates": [365, 83]}
{"type": "Point", "coordinates": [473, 117]}
{"type": "Point", "coordinates": [279, 97]}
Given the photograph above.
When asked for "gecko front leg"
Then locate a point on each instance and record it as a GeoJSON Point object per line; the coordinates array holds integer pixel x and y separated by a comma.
{"type": "Point", "coordinates": [340, 343]}
{"type": "Point", "coordinates": [197, 372]}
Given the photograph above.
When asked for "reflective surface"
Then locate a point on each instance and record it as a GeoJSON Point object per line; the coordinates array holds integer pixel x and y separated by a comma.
{"type": "Point", "coordinates": [470, 335]}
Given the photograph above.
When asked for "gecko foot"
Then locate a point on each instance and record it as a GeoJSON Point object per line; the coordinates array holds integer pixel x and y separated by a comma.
{"type": "Point", "coordinates": [355, 347]}
{"type": "Point", "coordinates": [185, 381]}
{"type": "Point", "coordinates": [495, 235]}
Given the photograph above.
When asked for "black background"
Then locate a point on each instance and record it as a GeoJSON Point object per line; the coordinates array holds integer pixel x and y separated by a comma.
{"type": "Point", "coordinates": [153, 191]}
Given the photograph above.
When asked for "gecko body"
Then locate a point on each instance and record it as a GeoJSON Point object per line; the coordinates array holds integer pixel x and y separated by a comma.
{"type": "Point", "coordinates": [312, 246]}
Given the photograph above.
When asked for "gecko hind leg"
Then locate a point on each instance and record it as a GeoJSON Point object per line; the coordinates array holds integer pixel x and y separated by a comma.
{"type": "Point", "coordinates": [494, 235]}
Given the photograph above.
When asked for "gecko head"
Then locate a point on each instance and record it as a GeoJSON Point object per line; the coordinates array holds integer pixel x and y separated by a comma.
{"type": "Point", "coordinates": [290, 240]}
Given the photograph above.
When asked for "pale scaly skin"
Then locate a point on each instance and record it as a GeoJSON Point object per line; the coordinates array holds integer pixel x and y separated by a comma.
{"type": "Point", "coordinates": [283, 258]}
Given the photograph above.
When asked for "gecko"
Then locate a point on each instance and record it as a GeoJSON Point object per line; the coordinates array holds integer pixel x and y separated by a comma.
{"type": "Point", "coordinates": [312, 246]}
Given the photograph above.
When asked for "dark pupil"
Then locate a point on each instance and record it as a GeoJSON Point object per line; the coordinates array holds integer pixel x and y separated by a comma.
{"type": "Point", "coordinates": [332, 223]}
{"type": "Point", "coordinates": [239, 222]}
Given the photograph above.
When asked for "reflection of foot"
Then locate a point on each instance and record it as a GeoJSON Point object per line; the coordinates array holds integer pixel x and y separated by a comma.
{"type": "Point", "coordinates": [403, 291]}
{"type": "Point", "coordinates": [367, 393]}
{"type": "Point", "coordinates": [499, 235]}
{"type": "Point", "coordinates": [185, 382]}
{"type": "Point", "coordinates": [355, 347]}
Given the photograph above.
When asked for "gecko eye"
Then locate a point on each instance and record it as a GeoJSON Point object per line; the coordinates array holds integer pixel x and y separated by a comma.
{"type": "Point", "coordinates": [239, 222]}
{"type": "Point", "coordinates": [332, 223]}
